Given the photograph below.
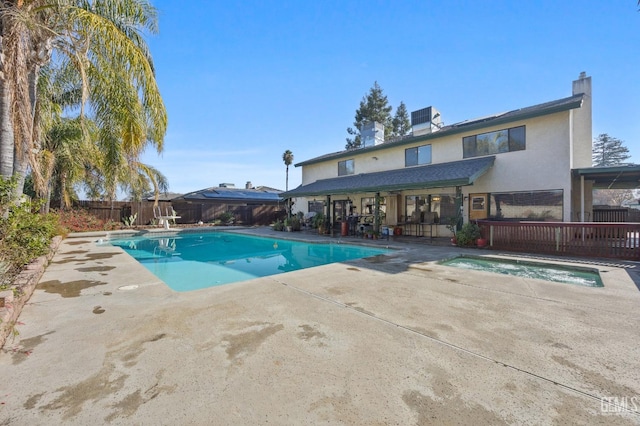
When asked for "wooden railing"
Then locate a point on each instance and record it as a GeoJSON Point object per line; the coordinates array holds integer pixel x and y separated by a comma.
{"type": "Point", "coordinates": [590, 239]}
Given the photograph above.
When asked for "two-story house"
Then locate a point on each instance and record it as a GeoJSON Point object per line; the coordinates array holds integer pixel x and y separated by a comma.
{"type": "Point", "coordinates": [515, 165]}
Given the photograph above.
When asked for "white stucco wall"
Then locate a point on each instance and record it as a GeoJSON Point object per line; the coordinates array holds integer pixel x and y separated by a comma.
{"type": "Point", "coordinates": [555, 143]}
{"type": "Point", "coordinates": [543, 165]}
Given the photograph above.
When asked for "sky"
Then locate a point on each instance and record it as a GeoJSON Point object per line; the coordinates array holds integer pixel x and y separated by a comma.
{"type": "Point", "coordinates": [245, 81]}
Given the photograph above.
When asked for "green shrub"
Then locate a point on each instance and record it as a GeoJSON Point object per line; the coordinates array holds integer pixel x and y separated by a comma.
{"type": "Point", "coordinates": [25, 235]}
{"type": "Point", "coordinates": [278, 225]}
{"type": "Point", "coordinates": [468, 234]}
{"type": "Point", "coordinates": [225, 217]}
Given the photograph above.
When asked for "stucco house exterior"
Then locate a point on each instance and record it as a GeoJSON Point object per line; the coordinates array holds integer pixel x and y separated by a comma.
{"type": "Point", "coordinates": [515, 165]}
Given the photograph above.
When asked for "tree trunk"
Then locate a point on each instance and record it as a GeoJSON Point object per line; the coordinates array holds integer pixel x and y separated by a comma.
{"type": "Point", "coordinates": [6, 133]}
{"type": "Point", "coordinates": [63, 191]}
{"type": "Point", "coordinates": [20, 166]}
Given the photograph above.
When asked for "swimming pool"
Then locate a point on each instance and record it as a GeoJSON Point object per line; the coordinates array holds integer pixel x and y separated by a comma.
{"type": "Point", "coordinates": [192, 261]}
{"type": "Point", "coordinates": [588, 277]}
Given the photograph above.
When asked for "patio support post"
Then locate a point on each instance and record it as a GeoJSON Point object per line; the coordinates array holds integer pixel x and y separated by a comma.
{"type": "Point", "coordinates": [327, 216]}
{"type": "Point", "coordinates": [459, 214]}
{"type": "Point", "coordinates": [376, 215]}
{"type": "Point", "coordinates": [581, 198]}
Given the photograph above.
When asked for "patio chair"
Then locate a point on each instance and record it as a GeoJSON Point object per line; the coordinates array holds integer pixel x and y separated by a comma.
{"type": "Point", "coordinates": [163, 220]}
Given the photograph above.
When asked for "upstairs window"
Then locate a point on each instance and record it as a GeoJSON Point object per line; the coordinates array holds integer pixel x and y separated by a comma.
{"type": "Point", "coordinates": [497, 142]}
{"type": "Point", "coordinates": [417, 155]}
{"type": "Point", "coordinates": [345, 167]}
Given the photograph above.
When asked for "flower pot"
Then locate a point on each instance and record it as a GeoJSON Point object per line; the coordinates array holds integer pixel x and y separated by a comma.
{"type": "Point", "coordinates": [454, 241]}
{"type": "Point", "coordinates": [481, 242]}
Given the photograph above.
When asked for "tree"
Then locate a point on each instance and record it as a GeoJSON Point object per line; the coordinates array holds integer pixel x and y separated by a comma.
{"type": "Point", "coordinates": [287, 157]}
{"type": "Point", "coordinates": [142, 179]}
{"type": "Point", "coordinates": [608, 151]}
{"type": "Point", "coordinates": [401, 125]}
{"type": "Point", "coordinates": [59, 163]}
{"type": "Point", "coordinates": [373, 107]}
{"type": "Point", "coordinates": [102, 42]}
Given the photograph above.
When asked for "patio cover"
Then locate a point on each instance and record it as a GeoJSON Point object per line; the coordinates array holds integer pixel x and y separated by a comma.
{"type": "Point", "coordinates": [456, 173]}
{"type": "Point", "coordinates": [613, 177]}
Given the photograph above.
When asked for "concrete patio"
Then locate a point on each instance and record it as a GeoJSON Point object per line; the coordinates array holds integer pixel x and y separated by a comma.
{"type": "Point", "coordinates": [394, 339]}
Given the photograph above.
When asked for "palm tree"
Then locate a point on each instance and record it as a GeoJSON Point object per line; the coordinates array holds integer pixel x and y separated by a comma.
{"type": "Point", "coordinates": [102, 42]}
{"type": "Point", "coordinates": [143, 178]}
{"type": "Point", "coordinates": [287, 157]}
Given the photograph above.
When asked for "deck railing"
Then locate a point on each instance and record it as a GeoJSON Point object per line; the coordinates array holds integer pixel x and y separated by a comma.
{"type": "Point", "coordinates": [614, 240]}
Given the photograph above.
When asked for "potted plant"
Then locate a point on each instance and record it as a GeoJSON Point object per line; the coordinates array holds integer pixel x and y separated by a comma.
{"type": "Point", "coordinates": [295, 223]}
{"type": "Point", "coordinates": [319, 221]}
{"type": "Point", "coordinates": [453, 227]}
{"type": "Point", "coordinates": [481, 242]}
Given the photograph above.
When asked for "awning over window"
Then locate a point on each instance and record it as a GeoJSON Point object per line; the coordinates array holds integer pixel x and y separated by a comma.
{"type": "Point", "coordinates": [614, 177]}
{"type": "Point", "coordinates": [457, 173]}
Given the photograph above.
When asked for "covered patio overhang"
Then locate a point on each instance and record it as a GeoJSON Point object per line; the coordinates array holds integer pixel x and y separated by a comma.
{"type": "Point", "coordinates": [453, 174]}
{"type": "Point", "coordinates": [613, 177]}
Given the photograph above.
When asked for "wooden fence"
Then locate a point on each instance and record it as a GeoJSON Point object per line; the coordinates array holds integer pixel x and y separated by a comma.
{"type": "Point", "coordinates": [590, 239]}
{"type": "Point", "coordinates": [189, 213]}
{"type": "Point", "coordinates": [119, 210]}
{"type": "Point", "coordinates": [243, 214]}
{"type": "Point", "coordinates": [610, 215]}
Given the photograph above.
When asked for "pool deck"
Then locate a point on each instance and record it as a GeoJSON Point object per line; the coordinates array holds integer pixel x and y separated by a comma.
{"type": "Point", "coordinates": [390, 340]}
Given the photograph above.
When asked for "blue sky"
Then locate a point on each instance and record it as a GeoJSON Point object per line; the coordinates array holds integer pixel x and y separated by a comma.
{"type": "Point", "coordinates": [245, 81]}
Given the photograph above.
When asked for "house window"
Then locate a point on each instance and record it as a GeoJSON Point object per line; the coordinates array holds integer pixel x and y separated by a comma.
{"type": "Point", "coordinates": [345, 167]}
{"type": "Point", "coordinates": [530, 205]}
{"type": "Point", "coordinates": [506, 140]}
{"type": "Point", "coordinates": [369, 205]}
{"type": "Point", "coordinates": [316, 206]}
{"type": "Point", "coordinates": [445, 206]}
{"type": "Point", "coordinates": [417, 155]}
{"type": "Point", "coordinates": [415, 205]}
{"type": "Point", "coordinates": [477, 204]}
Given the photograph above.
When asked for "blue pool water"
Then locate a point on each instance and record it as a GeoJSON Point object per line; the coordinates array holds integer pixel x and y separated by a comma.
{"type": "Point", "coordinates": [192, 261]}
{"type": "Point", "coordinates": [544, 271]}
